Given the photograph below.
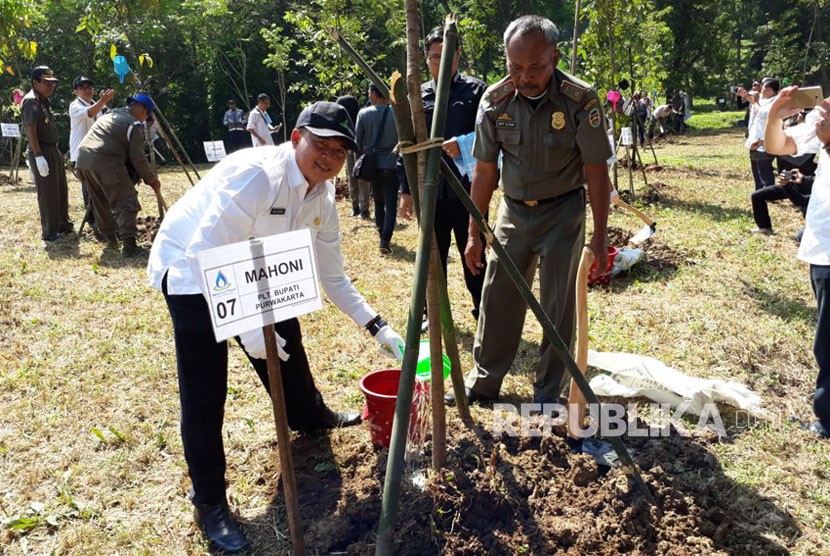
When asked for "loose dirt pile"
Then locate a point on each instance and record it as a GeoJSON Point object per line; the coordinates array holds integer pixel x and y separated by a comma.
{"type": "Point", "coordinates": [533, 495]}
{"type": "Point", "coordinates": [658, 255]}
{"type": "Point", "coordinates": [148, 227]}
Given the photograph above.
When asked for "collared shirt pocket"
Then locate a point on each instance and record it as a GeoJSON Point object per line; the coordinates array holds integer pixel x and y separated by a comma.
{"type": "Point", "coordinates": [508, 136]}
{"type": "Point", "coordinates": [558, 150]}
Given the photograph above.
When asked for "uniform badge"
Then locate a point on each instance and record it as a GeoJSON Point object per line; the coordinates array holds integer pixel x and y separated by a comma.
{"type": "Point", "coordinates": [317, 221]}
{"type": "Point", "coordinates": [505, 120]}
{"type": "Point", "coordinates": [592, 102]}
{"type": "Point", "coordinates": [275, 211]}
{"type": "Point", "coordinates": [594, 117]}
{"type": "Point", "coordinates": [557, 121]}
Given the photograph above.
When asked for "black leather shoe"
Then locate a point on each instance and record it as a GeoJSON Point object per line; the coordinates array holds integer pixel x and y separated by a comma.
{"type": "Point", "coordinates": [220, 529]}
{"type": "Point", "coordinates": [335, 420]}
{"type": "Point", "coordinates": [472, 397]}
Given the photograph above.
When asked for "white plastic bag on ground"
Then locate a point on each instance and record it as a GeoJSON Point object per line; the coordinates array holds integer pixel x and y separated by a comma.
{"type": "Point", "coordinates": [625, 259]}
{"type": "Point", "coordinates": [635, 375]}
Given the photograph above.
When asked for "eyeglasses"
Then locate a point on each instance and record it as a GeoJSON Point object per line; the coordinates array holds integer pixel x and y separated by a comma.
{"type": "Point", "coordinates": [84, 86]}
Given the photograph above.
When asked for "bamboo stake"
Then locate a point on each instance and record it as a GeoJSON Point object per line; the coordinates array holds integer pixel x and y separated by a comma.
{"type": "Point", "coordinates": [400, 425]}
{"type": "Point", "coordinates": [406, 125]}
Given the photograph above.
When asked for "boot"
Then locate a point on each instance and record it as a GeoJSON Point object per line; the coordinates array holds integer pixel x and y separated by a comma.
{"type": "Point", "coordinates": [130, 249]}
{"type": "Point", "coordinates": [220, 529]}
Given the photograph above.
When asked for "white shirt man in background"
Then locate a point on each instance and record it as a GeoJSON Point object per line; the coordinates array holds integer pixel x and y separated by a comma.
{"type": "Point", "coordinates": [83, 111]}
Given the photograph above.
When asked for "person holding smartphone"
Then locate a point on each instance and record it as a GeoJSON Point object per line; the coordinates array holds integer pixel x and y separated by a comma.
{"type": "Point", "coordinates": [814, 133]}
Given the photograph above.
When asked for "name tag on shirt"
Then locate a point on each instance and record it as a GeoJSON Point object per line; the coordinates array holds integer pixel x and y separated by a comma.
{"type": "Point", "coordinates": [277, 211]}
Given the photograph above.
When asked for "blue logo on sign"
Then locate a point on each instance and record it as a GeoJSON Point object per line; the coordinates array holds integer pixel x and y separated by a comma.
{"type": "Point", "coordinates": [221, 282]}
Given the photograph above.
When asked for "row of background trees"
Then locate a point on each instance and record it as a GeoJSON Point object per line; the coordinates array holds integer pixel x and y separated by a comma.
{"type": "Point", "coordinates": [204, 52]}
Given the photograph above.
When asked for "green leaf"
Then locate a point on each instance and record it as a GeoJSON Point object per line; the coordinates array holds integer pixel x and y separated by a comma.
{"type": "Point", "coordinates": [325, 466]}
{"type": "Point", "coordinates": [98, 433]}
{"type": "Point", "coordinates": [24, 523]}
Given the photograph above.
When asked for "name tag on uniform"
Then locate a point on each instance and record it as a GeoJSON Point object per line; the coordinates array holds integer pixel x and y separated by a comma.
{"type": "Point", "coordinates": [277, 211]}
{"type": "Point", "coordinates": [506, 123]}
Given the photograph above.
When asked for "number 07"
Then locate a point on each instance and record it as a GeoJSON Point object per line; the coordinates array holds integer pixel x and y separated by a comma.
{"type": "Point", "coordinates": [225, 308]}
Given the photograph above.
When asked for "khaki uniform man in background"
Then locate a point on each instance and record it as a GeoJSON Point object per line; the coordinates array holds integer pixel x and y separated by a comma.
{"type": "Point", "coordinates": [549, 129]}
{"type": "Point", "coordinates": [110, 161]}
{"type": "Point", "coordinates": [45, 159]}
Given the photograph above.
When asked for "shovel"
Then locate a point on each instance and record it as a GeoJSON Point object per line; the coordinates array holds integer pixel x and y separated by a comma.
{"type": "Point", "coordinates": [602, 452]}
{"type": "Point", "coordinates": [648, 230]}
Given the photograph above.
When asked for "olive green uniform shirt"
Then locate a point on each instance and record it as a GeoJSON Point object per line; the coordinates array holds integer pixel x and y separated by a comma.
{"type": "Point", "coordinates": [114, 141]}
{"type": "Point", "coordinates": [544, 149]}
{"type": "Point", "coordinates": [36, 110]}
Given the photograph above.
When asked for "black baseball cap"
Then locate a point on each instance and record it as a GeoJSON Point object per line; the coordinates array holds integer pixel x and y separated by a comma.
{"type": "Point", "coordinates": [78, 81]}
{"type": "Point", "coordinates": [44, 73]}
{"type": "Point", "coordinates": [328, 119]}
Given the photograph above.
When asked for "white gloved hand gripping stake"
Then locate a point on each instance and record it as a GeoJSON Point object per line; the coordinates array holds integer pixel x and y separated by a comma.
{"type": "Point", "coordinates": [254, 343]}
{"type": "Point", "coordinates": [42, 166]}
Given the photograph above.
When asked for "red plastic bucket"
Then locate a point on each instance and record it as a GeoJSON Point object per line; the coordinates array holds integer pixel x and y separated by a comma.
{"type": "Point", "coordinates": [606, 277]}
{"type": "Point", "coordinates": [381, 391]}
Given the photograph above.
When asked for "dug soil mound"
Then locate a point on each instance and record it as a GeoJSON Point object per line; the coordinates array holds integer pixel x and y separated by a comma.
{"type": "Point", "coordinates": [534, 495]}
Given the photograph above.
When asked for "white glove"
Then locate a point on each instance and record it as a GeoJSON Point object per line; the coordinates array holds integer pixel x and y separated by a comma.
{"type": "Point", "coordinates": [391, 344]}
{"type": "Point", "coordinates": [42, 166]}
{"type": "Point", "coordinates": [254, 343]}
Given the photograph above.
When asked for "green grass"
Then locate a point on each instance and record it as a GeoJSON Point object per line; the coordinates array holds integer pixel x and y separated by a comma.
{"type": "Point", "coordinates": [86, 346]}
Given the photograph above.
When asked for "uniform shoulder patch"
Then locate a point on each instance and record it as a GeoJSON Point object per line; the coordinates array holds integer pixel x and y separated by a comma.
{"type": "Point", "coordinates": [500, 91]}
{"type": "Point", "coordinates": [572, 90]}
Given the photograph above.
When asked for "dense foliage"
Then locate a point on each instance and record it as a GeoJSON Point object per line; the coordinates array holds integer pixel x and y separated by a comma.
{"type": "Point", "coordinates": [193, 55]}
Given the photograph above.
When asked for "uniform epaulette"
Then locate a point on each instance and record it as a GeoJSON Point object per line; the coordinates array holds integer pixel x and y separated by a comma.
{"type": "Point", "coordinates": [500, 91]}
{"type": "Point", "coordinates": [572, 90]}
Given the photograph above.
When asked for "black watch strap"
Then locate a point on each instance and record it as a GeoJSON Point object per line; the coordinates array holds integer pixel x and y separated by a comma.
{"type": "Point", "coordinates": [375, 325]}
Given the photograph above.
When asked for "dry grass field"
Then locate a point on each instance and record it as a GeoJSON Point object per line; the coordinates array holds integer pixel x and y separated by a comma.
{"type": "Point", "coordinates": [90, 455]}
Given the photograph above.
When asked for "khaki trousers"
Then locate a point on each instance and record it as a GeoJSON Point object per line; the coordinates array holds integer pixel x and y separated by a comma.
{"type": "Point", "coordinates": [551, 235]}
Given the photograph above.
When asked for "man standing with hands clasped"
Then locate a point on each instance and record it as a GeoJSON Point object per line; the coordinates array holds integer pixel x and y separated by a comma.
{"type": "Point", "coordinates": [255, 193]}
{"type": "Point", "coordinates": [45, 159]}
{"type": "Point", "coordinates": [549, 129]}
{"type": "Point", "coordinates": [812, 135]}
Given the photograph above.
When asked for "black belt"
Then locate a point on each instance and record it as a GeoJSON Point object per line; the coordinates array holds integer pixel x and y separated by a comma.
{"type": "Point", "coordinates": [537, 202]}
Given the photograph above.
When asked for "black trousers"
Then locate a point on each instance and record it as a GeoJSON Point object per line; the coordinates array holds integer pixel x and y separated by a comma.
{"type": "Point", "coordinates": [451, 218]}
{"type": "Point", "coordinates": [762, 171]}
{"type": "Point", "coordinates": [202, 366]}
{"type": "Point", "coordinates": [760, 198]}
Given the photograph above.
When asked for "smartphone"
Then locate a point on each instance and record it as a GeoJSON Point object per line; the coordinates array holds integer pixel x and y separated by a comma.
{"type": "Point", "coordinates": [807, 97]}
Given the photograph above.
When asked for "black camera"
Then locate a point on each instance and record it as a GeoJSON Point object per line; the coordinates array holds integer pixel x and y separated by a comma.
{"type": "Point", "coordinates": [787, 175]}
{"type": "Point", "coordinates": [733, 89]}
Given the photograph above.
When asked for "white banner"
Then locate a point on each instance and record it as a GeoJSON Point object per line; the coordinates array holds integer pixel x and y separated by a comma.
{"type": "Point", "coordinates": [214, 150]}
{"type": "Point", "coordinates": [10, 130]}
{"type": "Point", "coordinates": [625, 137]}
{"type": "Point", "coordinates": [260, 281]}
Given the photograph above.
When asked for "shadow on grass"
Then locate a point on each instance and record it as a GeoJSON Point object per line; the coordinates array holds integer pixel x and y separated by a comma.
{"type": "Point", "coordinates": [778, 305]}
{"type": "Point", "coordinates": [712, 211]}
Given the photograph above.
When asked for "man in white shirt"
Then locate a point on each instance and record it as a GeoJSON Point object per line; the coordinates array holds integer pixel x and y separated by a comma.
{"type": "Point", "coordinates": [82, 114]}
{"type": "Point", "coordinates": [255, 193]}
{"type": "Point", "coordinates": [815, 243]}
{"type": "Point", "coordinates": [259, 122]}
{"type": "Point", "coordinates": [760, 161]}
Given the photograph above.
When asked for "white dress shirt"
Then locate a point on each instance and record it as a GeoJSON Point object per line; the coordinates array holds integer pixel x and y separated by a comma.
{"type": "Point", "coordinates": [253, 193]}
{"type": "Point", "coordinates": [815, 243]}
{"type": "Point", "coordinates": [759, 124]}
{"type": "Point", "coordinates": [260, 121]}
{"type": "Point", "coordinates": [79, 125]}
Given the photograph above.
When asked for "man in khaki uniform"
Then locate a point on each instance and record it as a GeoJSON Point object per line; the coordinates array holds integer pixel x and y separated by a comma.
{"type": "Point", "coordinates": [549, 129]}
{"type": "Point", "coordinates": [45, 159]}
{"type": "Point", "coordinates": [110, 161]}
